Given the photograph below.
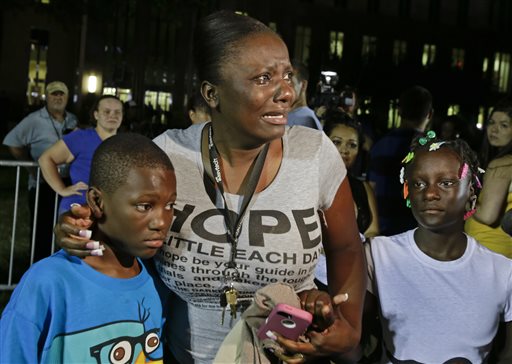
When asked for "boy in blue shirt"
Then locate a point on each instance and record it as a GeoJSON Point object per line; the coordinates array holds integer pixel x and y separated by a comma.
{"type": "Point", "coordinates": [102, 308]}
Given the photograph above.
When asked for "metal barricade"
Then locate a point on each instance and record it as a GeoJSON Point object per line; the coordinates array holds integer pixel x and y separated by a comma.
{"type": "Point", "coordinates": [16, 222]}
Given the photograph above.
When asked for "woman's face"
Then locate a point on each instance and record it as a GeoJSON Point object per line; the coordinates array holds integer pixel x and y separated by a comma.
{"type": "Point", "coordinates": [499, 129]}
{"type": "Point", "coordinates": [346, 141]}
{"type": "Point", "coordinates": [256, 90]}
{"type": "Point", "coordinates": [109, 114]}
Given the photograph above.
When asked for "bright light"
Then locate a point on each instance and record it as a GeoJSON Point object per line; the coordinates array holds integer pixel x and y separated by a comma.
{"type": "Point", "coordinates": [92, 84]}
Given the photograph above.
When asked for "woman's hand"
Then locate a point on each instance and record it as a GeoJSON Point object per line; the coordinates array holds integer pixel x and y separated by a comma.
{"type": "Point", "coordinates": [72, 232]}
{"type": "Point", "coordinates": [75, 189]}
{"type": "Point", "coordinates": [330, 334]}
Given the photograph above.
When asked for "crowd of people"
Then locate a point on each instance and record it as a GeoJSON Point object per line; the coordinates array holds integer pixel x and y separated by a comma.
{"type": "Point", "coordinates": [179, 235]}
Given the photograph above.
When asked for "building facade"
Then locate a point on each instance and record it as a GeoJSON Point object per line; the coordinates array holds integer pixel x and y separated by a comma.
{"type": "Point", "coordinates": [141, 50]}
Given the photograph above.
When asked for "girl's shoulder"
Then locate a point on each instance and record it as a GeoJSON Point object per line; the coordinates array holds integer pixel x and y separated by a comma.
{"type": "Point", "coordinates": [502, 162]}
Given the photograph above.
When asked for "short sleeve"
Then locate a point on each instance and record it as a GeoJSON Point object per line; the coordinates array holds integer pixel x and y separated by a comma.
{"type": "Point", "coordinates": [500, 168]}
{"type": "Point", "coordinates": [332, 172]}
{"type": "Point", "coordinates": [74, 141]}
{"type": "Point", "coordinates": [19, 135]}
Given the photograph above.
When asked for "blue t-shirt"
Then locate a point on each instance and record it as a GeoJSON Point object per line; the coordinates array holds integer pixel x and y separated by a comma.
{"type": "Point", "coordinates": [304, 116]}
{"type": "Point", "coordinates": [385, 163]}
{"type": "Point", "coordinates": [64, 311]}
{"type": "Point", "coordinates": [81, 143]}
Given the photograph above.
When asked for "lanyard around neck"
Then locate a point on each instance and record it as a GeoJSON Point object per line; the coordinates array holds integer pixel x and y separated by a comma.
{"type": "Point", "coordinates": [52, 121]}
{"type": "Point", "coordinates": [235, 227]}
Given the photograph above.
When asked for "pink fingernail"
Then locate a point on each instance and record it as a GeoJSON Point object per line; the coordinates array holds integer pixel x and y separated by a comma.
{"type": "Point", "coordinates": [74, 204]}
{"type": "Point", "coordinates": [271, 335]}
{"type": "Point", "coordinates": [97, 252]}
{"type": "Point", "coordinates": [85, 234]}
{"type": "Point", "coordinates": [93, 245]}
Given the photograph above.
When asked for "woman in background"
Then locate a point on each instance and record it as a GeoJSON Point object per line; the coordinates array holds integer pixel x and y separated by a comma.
{"type": "Point", "coordinates": [77, 149]}
{"type": "Point", "coordinates": [496, 196]}
{"type": "Point", "coordinates": [347, 135]}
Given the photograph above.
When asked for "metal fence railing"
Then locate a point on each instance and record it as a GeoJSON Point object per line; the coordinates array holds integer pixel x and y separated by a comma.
{"type": "Point", "coordinates": [12, 244]}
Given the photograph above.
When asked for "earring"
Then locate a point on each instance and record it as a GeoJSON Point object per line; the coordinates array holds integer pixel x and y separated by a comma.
{"type": "Point", "coordinates": [472, 208]}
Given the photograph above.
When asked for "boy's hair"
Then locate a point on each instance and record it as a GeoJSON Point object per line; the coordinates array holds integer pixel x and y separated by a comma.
{"type": "Point", "coordinates": [429, 142]}
{"type": "Point", "coordinates": [117, 155]}
{"type": "Point", "coordinates": [415, 104]}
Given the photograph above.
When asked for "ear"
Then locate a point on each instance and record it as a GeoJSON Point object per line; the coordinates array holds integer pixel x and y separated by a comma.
{"type": "Point", "coordinates": [210, 94]}
{"type": "Point", "coordinates": [95, 201]}
{"type": "Point", "coordinates": [303, 87]}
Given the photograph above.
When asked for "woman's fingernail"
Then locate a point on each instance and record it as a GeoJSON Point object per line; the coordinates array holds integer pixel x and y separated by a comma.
{"type": "Point", "coordinates": [340, 298]}
{"type": "Point", "coordinates": [74, 204]}
{"type": "Point", "coordinates": [271, 335]}
{"type": "Point", "coordinates": [97, 252]}
{"type": "Point", "coordinates": [85, 234]}
{"type": "Point", "coordinates": [93, 245]}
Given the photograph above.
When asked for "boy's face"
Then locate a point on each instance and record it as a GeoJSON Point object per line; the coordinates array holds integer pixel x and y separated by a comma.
{"type": "Point", "coordinates": [438, 196]}
{"type": "Point", "coordinates": [137, 216]}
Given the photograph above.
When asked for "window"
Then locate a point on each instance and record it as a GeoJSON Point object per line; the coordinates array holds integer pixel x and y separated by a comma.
{"type": "Point", "coordinates": [109, 91]}
{"type": "Point", "coordinates": [485, 65]}
{"type": "Point", "coordinates": [429, 55]}
{"type": "Point", "coordinates": [302, 43]}
{"type": "Point", "coordinates": [336, 45]}
{"type": "Point", "coordinates": [369, 49]}
{"type": "Point", "coordinates": [501, 71]}
{"type": "Point", "coordinates": [481, 117]}
{"type": "Point", "coordinates": [394, 118]}
{"type": "Point", "coordinates": [37, 65]}
{"type": "Point", "coordinates": [404, 8]}
{"type": "Point", "coordinates": [125, 94]}
{"type": "Point", "coordinates": [399, 51]}
{"type": "Point", "coordinates": [158, 98]}
{"type": "Point", "coordinates": [453, 110]}
{"type": "Point", "coordinates": [433, 11]}
{"type": "Point", "coordinates": [458, 58]}
{"type": "Point", "coordinates": [373, 6]}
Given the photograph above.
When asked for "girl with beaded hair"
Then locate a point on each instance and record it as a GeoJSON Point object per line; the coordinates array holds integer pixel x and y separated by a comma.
{"type": "Point", "coordinates": [441, 294]}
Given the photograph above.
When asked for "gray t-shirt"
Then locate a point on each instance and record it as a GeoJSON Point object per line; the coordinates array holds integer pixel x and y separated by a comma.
{"type": "Point", "coordinates": [37, 132]}
{"type": "Point", "coordinates": [280, 239]}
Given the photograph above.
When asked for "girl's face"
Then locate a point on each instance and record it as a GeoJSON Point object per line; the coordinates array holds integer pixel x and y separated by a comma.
{"type": "Point", "coordinates": [438, 197]}
{"type": "Point", "coordinates": [346, 141]}
{"type": "Point", "coordinates": [256, 90]}
{"type": "Point", "coordinates": [499, 129]}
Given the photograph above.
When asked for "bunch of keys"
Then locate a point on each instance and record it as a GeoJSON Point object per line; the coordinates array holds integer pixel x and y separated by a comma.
{"type": "Point", "coordinates": [228, 296]}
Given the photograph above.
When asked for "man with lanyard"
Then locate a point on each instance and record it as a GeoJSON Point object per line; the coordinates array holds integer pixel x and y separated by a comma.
{"type": "Point", "coordinates": [27, 141]}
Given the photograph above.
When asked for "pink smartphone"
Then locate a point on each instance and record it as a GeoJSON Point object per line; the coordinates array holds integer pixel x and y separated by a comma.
{"type": "Point", "coordinates": [287, 321]}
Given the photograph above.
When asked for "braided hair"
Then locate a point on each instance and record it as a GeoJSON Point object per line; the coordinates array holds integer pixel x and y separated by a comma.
{"type": "Point", "coordinates": [429, 142]}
